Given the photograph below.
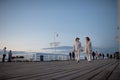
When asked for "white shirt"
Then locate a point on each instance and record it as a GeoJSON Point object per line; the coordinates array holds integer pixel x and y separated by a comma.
{"type": "Point", "coordinates": [88, 47]}
{"type": "Point", "coordinates": [77, 46]}
{"type": "Point", "coordinates": [4, 51]}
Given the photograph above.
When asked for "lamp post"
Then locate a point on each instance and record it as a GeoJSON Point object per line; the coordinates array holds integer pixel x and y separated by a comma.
{"type": "Point", "coordinates": [55, 43]}
{"type": "Point", "coordinates": [119, 37]}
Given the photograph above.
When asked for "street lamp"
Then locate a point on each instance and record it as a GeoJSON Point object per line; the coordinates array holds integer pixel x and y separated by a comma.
{"type": "Point", "coordinates": [55, 43]}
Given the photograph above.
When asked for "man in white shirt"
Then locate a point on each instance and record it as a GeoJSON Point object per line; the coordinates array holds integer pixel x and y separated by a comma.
{"type": "Point", "coordinates": [77, 49]}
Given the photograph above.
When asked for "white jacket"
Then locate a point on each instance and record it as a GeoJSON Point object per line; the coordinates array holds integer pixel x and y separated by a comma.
{"type": "Point", "coordinates": [88, 47]}
{"type": "Point", "coordinates": [77, 46]}
{"type": "Point", "coordinates": [4, 51]}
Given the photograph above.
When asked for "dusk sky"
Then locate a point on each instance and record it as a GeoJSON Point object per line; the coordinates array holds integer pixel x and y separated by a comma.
{"type": "Point", "coordinates": [29, 25]}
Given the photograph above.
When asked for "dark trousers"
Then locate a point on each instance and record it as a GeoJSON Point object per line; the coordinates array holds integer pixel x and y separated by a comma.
{"type": "Point", "coordinates": [9, 59]}
{"type": "Point", "coordinates": [3, 59]}
{"type": "Point", "coordinates": [93, 57]}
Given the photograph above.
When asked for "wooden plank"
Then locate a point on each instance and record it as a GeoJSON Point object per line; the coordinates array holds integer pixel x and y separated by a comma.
{"type": "Point", "coordinates": [85, 74]}
{"type": "Point", "coordinates": [59, 70]}
{"type": "Point", "coordinates": [60, 74]}
{"type": "Point", "coordinates": [55, 69]}
{"type": "Point", "coordinates": [104, 73]}
{"type": "Point", "coordinates": [116, 73]}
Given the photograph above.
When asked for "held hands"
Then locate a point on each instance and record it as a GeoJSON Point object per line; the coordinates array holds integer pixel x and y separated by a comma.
{"type": "Point", "coordinates": [81, 49]}
{"type": "Point", "coordinates": [75, 50]}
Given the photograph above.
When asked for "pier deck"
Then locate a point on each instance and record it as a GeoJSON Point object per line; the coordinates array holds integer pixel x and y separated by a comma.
{"type": "Point", "coordinates": [61, 70]}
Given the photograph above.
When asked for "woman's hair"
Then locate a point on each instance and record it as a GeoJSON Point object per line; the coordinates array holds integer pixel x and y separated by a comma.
{"type": "Point", "coordinates": [88, 39]}
{"type": "Point", "coordinates": [77, 38]}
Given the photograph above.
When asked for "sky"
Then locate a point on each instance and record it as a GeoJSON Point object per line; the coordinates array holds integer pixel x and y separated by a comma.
{"type": "Point", "coordinates": [30, 25]}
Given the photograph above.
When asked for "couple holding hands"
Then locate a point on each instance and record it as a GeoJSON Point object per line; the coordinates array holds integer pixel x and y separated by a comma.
{"type": "Point", "coordinates": [78, 48]}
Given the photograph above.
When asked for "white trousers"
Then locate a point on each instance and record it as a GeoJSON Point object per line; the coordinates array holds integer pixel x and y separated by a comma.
{"type": "Point", "coordinates": [88, 57]}
{"type": "Point", "coordinates": [77, 55]}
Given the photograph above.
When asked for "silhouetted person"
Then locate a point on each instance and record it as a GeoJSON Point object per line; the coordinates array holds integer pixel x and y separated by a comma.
{"type": "Point", "coordinates": [100, 56]}
{"type": "Point", "coordinates": [73, 55]}
{"type": "Point", "coordinates": [85, 58]}
{"type": "Point", "coordinates": [93, 55]}
{"type": "Point", "coordinates": [41, 58]}
{"type": "Point", "coordinates": [117, 55]}
{"type": "Point", "coordinates": [111, 56]}
{"type": "Point", "coordinates": [4, 54]}
{"type": "Point", "coordinates": [10, 56]}
{"type": "Point", "coordinates": [70, 55]}
{"type": "Point", "coordinates": [107, 55]}
{"type": "Point", "coordinates": [103, 55]}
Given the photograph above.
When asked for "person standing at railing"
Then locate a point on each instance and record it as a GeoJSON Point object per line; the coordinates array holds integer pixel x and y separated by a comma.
{"type": "Point", "coordinates": [10, 56]}
{"type": "Point", "coordinates": [93, 55]}
{"type": "Point", "coordinates": [70, 55]}
{"type": "Point", "coordinates": [73, 55]}
{"type": "Point", "coordinates": [4, 54]}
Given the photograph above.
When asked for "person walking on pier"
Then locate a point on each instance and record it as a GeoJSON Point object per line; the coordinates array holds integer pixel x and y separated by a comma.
{"type": "Point", "coordinates": [4, 54]}
{"type": "Point", "coordinates": [77, 49]}
{"type": "Point", "coordinates": [103, 55]}
{"type": "Point", "coordinates": [88, 48]}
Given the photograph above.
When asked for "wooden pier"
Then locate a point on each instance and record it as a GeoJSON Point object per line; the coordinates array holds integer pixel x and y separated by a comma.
{"type": "Point", "coordinates": [61, 70]}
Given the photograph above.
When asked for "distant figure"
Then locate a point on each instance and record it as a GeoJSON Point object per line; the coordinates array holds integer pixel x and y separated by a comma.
{"type": "Point", "coordinates": [111, 56]}
{"type": "Point", "coordinates": [77, 49]}
{"type": "Point", "coordinates": [4, 54]}
{"type": "Point", "coordinates": [93, 55]}
{"type": "Point", "coordinates": [70, 55]}
{"type": "Point", "coordinates": [41, 58]}
{"type": "Point", "coordinates": [107, 55]}
{"type": "Point", "coordinates": [103, 55]}
{"type": "Point", "coordinates": [100, 56]}
{"type": "Point", "coordinates": [96, 55]}
{"type": "Point", "coordinates": [117, 55]}
{"type": "Point", "coordinates": [114, 55]}
{"type": "Point", "coordinates": [88, 48]}
{"type": "Point", "coordinates": [85, 58]}
{"type": "Point", "coordinates": [73, 55]}
{"type": "Point", "coordinates": [10, 56]}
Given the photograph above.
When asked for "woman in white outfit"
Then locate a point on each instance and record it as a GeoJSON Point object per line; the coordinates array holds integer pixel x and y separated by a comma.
{"type": "Point", "coordinates": [88, 48]}
{"type": "Point", "coordinates": [77, 48]}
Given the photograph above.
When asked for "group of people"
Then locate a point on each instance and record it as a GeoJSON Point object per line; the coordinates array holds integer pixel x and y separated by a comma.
{"type": "Point", "coordinates": [72, 55]}
{"type": "Point", "coordinates": [9, 55]}
{"type": "Point", "coordinates": [96, 56]}
{"type": "Point", "coordinates": [78, 48]}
